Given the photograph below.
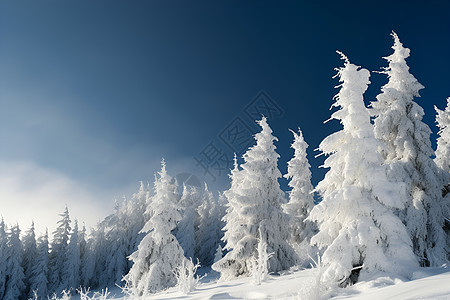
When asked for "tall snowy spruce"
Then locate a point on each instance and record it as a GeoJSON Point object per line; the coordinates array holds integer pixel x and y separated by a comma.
{"type": "Point", "coordinates": [301, 199]}
{"type": "Point", "coordinates": [209, 230]}
{"type": "Point", "coordinates": [185, 231]}
{"type": "Point", "coordinates": [39, 271]}
{"type": "Point", "coordinates": [15, 286]}
{"type": "Point", "coordinates": [443, 142]}
{"type": "Point", "coordinates": [29, 256]}
{"type": "Point", "coordinates": [398, 123]}
{"type": "Point", "coordinates": [357, 229]}
{"type": "Point", "coordinates": [443, 161]}
{"type": "Point", "coordinates": [255, 210]}
{"type": "Point", "coordinates": [70, 275]}
{"type": "Point", "coordinates": [113, 240]}
{"type": "Point", "coordinates": [3, 257]}
{"type": "Point", "coordinates": [58, 254]}
{"type": "Point", "coordinates": [158, 254]}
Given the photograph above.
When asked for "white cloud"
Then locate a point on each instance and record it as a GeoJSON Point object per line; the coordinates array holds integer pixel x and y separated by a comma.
{"type": "Point", "coordinates": [30, 192]}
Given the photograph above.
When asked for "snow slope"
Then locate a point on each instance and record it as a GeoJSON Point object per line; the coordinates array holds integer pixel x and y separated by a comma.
{"type": "Point", "coordinates": [428, 283]}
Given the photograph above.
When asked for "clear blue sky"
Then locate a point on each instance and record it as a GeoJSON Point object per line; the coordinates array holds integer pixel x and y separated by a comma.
{"type": "Point", "coordinates": [94, 93]}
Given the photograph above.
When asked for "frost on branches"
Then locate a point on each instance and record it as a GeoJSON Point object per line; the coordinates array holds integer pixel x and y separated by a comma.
{"type": "Point", "coordinates": [255, 200]}
{"type": "Point", "coordinates": [300, 197]}
{"type": "Point", "coordinates": [443, 160]}
{"type": "Point", "coordinates": [398, 123]}
{"type": "Point", "coordinates": [443, 142]}
{"type": "Point", "coordinates": [357, 228]}
{"type": "Point", "coordinates": [159, 253]}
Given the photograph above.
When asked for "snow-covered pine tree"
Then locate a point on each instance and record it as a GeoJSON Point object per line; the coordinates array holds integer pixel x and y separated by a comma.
{"type": "Point", "coordinates": [39, 271]}
{"type": "Point", "coordinates": [58, 254]}
{"type": "Point", "coordinates": [116, 257]}
{"type": "Point", "coordinates": [443, 162]}
{"type": "Point", "coordinates": [15, 277]}
{"type": "Point", "coordinates": [98, 250]}
{"type": "Point", "coordinates": [136, 219]}
{"type": "Point", "coordinates": [357, 228]}
{"type": "Point", "coordinates": [255, 205]}
{"type": "Point", "coordinates": [70, 275]}
{"type": "Point", "coordinates": [159, 253]}
{"type": "Point", "coordinates": [443, 142]}
{"type": "Point", "coordinates": [398, 123]}
{"type": "Point", "coordinates": [185, 231]}
{"type": "Point", "coordinates": [84, 257]}
{"type": "Point", "coordinates": [29, 256]}
{"type": "Point", "coordinates": [301, 199]}
{"type": "Point", "coordinates": [3, 257]}
{"type": "Point", "coordinates": [116, 237]}
{"type": "Point", "coordinates": [207, 238]}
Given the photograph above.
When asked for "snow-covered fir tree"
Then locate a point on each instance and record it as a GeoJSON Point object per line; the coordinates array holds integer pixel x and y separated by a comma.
{"type": "Point", "coordinates": [3, 257]}
{"type": "Point", "coordinates": [58, 253]}
{"type": "Point", "coordinates": [15, 286]}
{"type": "Point", "coordinates": [159, 252]}
{"type": "Point", "coordinates": [443, 162]}
{"type": "Point", "coordinates": [136, 217]}
{"type": "Point", "coordinates": [185, 231]}
{"type": "Point", "coordinates": [29, 256]}
{"type": "Point", "coordinates": [357, 228]}
{"type": "Point", "coordinates": [98, 248]}
{"type": "Point", "coordinates": [301, 199]}
{"type": "Point", "coordinates": [443, 142]}
{"type": "Point", "coordinates": [115, 238]}
{"type": "Point", "coordinates": [39, 271]}
{"type": "Point", "coordinates": [398, 123]}
{"type": "Point", "coordinates": [208, 234]}
{"type": "Point", "coordinates": [86, 257]}
{"type": "Point", "coordinates": [255, 205]}
{"type": "Point", "coordinates": [70, 275]}
{"type": "Point", "coordinates": [116, 250]}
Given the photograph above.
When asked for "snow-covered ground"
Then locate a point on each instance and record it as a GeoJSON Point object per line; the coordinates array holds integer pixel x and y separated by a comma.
{"type": "Point", "coordinates": [427, 283]}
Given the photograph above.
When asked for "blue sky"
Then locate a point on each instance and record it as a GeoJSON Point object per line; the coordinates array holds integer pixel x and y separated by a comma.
{"type": "Point", "coordinates": [94, 93]}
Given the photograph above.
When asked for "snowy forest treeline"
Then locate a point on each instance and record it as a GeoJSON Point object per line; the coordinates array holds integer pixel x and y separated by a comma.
{"type": "Point", "coordinates": [384, 207]}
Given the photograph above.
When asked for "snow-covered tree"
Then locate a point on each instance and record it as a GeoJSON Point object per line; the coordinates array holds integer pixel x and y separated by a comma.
{"type": "Point", "coordinates": [85, 257]}
{"type": "Point", "coordinates": [39, 271]}
{"type": "Point", "coordinates": [443, 161]}
{"type": "Point", "coordinates": [3, 257]}
{"type": "Point", "coordinates": [116, 237]}
{"type": "Point", "coordinates": [29, 255]}
{"type": "Point", "coordinates": [398, 123]}
{"type": "Point", "coordinates": [136, 217]}
{"type": "Point", "coordinates": [209, 228]}
{"type": "Point", "coordinates": [15, 277]}
{"type": "Point", "coordinates": [70, 275]}
{"type": "Point", "coordinates": [116, 251]}
{"type": "Point", "coordinates": [98, 249]}
{"type": "Point", "coordinates": [255, 205]}
{"type": "Point", "coordinates": [185, 231]}
{"type": "Point", "coordinates": [443, 142]}
{"type": "Point", "coordinates": [301, 199]}
{"type": "Point", "coordinates": [357, 229]}
{"type": "Point", "coordinates": [159, 252]}
{"type": "Point", "coordinates": [58, 253]}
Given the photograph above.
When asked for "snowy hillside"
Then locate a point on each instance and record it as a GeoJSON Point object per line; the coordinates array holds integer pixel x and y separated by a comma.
{"type": "Point", "coordinates": [428, 283]}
